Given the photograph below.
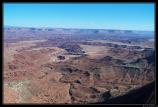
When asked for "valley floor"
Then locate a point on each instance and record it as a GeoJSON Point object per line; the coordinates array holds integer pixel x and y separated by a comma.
{"type": "Point", "coordinates": [51, 74]}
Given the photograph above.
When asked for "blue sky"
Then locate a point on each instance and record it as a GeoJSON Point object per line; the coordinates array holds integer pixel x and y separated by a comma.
{"type": "Point", "coordinates": [94, 16]}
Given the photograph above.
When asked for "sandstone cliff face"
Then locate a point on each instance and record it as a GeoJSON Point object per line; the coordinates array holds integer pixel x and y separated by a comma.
{"type": "Point", "coordinates": [143, 95]}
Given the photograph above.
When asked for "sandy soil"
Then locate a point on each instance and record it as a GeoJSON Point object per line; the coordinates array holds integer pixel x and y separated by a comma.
{"type": "Point", "coordinates": [95, 51]}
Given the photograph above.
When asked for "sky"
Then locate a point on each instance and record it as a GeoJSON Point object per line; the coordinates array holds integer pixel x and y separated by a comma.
{"type": "Point", "coordinates": [92, 16]}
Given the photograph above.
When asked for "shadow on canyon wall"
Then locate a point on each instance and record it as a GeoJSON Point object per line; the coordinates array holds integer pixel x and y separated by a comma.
{"type": "Point", "coordinates": [143, 95]}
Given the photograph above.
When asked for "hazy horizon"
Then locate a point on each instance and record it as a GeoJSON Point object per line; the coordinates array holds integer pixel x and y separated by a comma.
{"type": "Point", "coordinates": [77, 28]}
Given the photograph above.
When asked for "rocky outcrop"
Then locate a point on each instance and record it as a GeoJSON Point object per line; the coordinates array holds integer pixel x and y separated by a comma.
{"type": "Point", "coordinates": [143, 95]}
{"type": "Point", "coordinates": [72, 48]}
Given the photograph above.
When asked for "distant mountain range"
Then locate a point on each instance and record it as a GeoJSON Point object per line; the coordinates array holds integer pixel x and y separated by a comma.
{"type": "Point", "coordinates": [77, 32]}
{"type": "Point", "coordinates": [110, 30]}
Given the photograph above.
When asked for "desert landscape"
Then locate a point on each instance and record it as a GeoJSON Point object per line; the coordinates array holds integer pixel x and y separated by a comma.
{"type": "Point", "coordinates": [77, 66]}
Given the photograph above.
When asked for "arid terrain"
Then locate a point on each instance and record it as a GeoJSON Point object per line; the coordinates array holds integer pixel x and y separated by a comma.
{"type": "Point", "coordinates": [75, 66]}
